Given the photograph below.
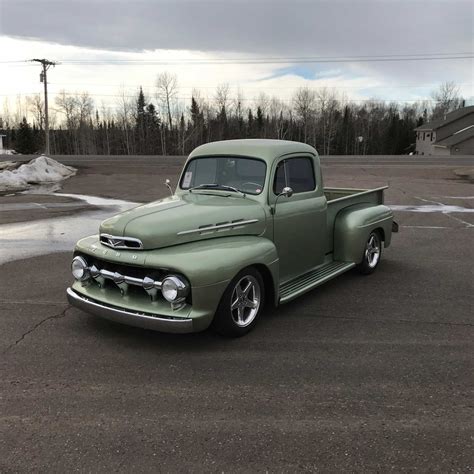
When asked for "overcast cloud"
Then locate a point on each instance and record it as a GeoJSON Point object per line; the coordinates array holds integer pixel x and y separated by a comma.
{"type": "Point", "coordinates": [265, 27]}
{"type": "Point", "coordinates": [107, 29]}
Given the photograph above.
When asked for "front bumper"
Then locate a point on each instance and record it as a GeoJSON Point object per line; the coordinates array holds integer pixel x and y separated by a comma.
{"type": "Point", "coordinates": [141, 320]}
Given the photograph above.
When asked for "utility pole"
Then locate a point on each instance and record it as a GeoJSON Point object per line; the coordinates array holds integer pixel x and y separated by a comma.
{"type": "Point", "coordinates": [43, 78]}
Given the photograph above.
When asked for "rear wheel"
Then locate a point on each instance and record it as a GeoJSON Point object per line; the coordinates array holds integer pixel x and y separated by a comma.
{"type": "Point", "coordinates": [240, 305]}
{"type": "Point", "coordinates": [372, 254]}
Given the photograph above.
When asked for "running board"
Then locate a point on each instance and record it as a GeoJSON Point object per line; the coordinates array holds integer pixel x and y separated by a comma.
{"type": "Point", "coordinates": [308, 281]}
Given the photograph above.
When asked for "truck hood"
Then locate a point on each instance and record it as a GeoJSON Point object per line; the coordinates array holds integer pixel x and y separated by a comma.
{"type": "Point", "coordinates": [187, 218]}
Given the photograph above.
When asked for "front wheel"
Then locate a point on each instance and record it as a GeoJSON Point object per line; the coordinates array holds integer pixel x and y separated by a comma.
{"type": "Point", "coordinates": [371, 255]}
{"type": "Point", "coordinates": [240, 305]}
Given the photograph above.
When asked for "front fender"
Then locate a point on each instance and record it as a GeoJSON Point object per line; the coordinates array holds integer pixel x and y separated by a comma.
{"type": "Point", "coordinates": [208, 262]}
{"type": "Point", "coordinates": [205, 263]}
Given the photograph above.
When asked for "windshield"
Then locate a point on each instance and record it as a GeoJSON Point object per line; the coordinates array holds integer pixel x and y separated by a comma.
{"type": "Point", "coordinates": [244, 174]}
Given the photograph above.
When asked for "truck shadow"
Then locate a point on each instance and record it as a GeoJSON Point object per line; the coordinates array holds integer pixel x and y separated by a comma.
{"type": "Point", "coordinates": [339, 291]}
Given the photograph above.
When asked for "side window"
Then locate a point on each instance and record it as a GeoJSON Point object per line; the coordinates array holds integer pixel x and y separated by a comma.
{"type": "Point", "coordinates": [297, 173]}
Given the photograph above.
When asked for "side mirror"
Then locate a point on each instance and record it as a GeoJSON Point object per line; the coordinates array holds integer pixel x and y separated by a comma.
{"type": "Point", "coordinates": [168, 185]}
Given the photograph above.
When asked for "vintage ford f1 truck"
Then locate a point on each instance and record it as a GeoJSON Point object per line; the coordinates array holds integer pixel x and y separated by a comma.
{"type": "Point", "coordinates": [249, 223]}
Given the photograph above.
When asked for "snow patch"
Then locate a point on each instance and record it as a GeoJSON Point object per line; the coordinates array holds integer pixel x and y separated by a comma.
{"type": "Point", "coordinates": [40, 170]}
{"type": "Point", "coordinates": [443, 208]}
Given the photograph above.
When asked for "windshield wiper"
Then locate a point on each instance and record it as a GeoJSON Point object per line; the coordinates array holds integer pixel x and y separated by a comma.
{"type": "Point", "coordinates": [216, 186]}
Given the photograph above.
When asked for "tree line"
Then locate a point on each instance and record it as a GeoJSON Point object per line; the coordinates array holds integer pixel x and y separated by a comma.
{"type": "Point", "coordinates": [163, 125]}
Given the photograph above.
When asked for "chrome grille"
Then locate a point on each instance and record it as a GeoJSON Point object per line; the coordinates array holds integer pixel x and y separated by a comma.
{"type": "Point", "coordinates": [125, 278]}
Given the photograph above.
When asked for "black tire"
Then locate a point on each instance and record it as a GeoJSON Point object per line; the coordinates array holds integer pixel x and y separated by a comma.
{"type": "Point", "coordinates": [239, 321]}
{"type": "Point", "coordinates": [371, 254]}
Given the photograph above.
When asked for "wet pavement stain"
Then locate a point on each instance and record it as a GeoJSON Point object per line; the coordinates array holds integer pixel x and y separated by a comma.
{"type": "Point", "coordinates": [57, 234]}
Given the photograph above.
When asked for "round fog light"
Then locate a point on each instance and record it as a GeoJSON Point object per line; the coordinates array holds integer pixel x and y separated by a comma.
{"type": "Point", "coordinates": [174, 289]}
{"type": "Point", "coordinates": [79, 268]}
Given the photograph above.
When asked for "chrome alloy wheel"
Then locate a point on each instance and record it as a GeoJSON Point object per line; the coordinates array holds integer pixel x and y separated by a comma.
{"type": "Point", "coordinates": [372, 251]}
{"type": "Point", "coordinates": [245, 301]}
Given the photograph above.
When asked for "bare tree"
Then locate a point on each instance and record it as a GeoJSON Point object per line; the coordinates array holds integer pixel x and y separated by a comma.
{"type": "Point", "coordinates": [447, 99]}
{"type": "Point", "coordinates": [36, 107]}
{"type": "Point", "coordinates": [68, 105]}
{"type": "Point", "coordinates": [304, 104]}
{"type": "Point", "coordinates": [167, 89]}
{"type": "Point", "coordinates": [125, 116]}
{"type": "Point", "coordinates": [85, 105]}
{"type": "Point", "coordinates": [222, 96]}
{"type": "Point", "coordinates": [263, 101]}
{"type": "Point", "coordinates": [327, 107]}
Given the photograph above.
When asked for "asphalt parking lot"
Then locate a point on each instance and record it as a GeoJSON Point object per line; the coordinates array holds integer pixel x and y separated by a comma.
{"type": "Point", "coordinates": [364, 374]}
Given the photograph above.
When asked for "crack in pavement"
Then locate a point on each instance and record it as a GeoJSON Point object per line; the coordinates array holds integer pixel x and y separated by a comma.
{"type": "Point", "coordinates": [60, 315]}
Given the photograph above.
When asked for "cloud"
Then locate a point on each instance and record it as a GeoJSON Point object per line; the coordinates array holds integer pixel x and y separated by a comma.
{"type": "Point", "coordinates": [348, 27]}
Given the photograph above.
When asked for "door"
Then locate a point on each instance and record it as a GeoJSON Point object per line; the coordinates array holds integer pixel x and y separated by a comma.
{"type": "Point", "coordinates": [299, 221]}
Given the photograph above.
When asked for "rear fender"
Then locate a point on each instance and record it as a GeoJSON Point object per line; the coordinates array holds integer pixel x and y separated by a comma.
{"type": "Point", "coordinates": [353, 226]}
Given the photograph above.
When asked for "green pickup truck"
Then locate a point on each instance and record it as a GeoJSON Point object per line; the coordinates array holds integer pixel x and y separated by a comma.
{"type": "Point", "coordinates": [249, 224]}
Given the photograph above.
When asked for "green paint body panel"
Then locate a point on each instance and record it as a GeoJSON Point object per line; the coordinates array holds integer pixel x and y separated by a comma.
{"type": "Point", "coordinates": [297, 243]}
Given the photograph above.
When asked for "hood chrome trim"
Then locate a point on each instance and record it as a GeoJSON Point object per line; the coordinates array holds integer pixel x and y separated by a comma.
{"type": "Point", "coordinates": [210, 228]}
{"type": "Point", "coordinates": [117, 242]}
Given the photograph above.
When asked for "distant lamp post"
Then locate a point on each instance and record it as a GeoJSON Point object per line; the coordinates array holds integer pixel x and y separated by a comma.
{"type": "Point", "coordinates": [359, 141]}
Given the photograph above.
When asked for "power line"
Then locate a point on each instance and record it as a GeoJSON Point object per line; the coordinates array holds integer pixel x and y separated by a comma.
{"type": "Point", "coordinates": [246, 87]}
{"type": "Point", "coordinates": [144, 62]}
{"type": "Point", "coordinates": [266, 60]}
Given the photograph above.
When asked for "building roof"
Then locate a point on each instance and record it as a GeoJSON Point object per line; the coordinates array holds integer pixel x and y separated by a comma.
{"type": "Point", "coordinates": [448, 118]}
{"type": "Point", "coordinates": [267, 150]}
{"type": "Point", "coordinates": [457, 137]}
{"type": "Point", "coordinates": [428, 126]}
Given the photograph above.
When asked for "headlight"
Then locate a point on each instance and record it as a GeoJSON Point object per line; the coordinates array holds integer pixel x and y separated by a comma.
{"type": "Point", "coordinates": [79, 268]}
{"type": "Point", "coordinates": [174, 289]}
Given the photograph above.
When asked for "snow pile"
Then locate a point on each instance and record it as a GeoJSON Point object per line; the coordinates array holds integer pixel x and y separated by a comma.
{"type": "Point", "coordinates": [38, 171]}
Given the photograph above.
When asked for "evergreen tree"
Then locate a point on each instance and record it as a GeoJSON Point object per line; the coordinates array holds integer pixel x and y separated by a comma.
{"type": "Point", "coordinates": [250, 132]}
{"type": "Point", "coordinates": [25, 139]}
{"type": "Point", "coordinates": [260, 121]}
{"type": "Point", "coordinates": [140, 124]}
{"type": "Point", "coordinates": [152, 131]}
{"type": "Point", "coordinates": [223, 124]}
{"type": "Point", "coordinates": [195, 112]}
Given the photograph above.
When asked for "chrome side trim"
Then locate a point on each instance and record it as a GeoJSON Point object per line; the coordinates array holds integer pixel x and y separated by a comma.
{"type": "Point", "coordinates": [141, 320]}
{"type": "Point", "coordinates": [118, 242]}
{"type": "Point", "coordinates": [218, 227]}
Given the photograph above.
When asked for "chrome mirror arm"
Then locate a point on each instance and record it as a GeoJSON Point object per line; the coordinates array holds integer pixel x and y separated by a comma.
{"type": "Point", "coordinates": [286, 191]}
{"type": "Point", "coordinates": [168, 185]}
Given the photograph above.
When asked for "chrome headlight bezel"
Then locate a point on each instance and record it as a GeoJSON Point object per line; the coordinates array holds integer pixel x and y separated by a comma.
{"type": "Point", "coordinates": [80, 268]}
{"type": "Point", "coordinates": [174, 289]}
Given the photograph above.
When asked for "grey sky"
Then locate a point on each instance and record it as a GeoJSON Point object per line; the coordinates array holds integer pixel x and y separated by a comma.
{"type": "Point", "coordinates": [288, 28]}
